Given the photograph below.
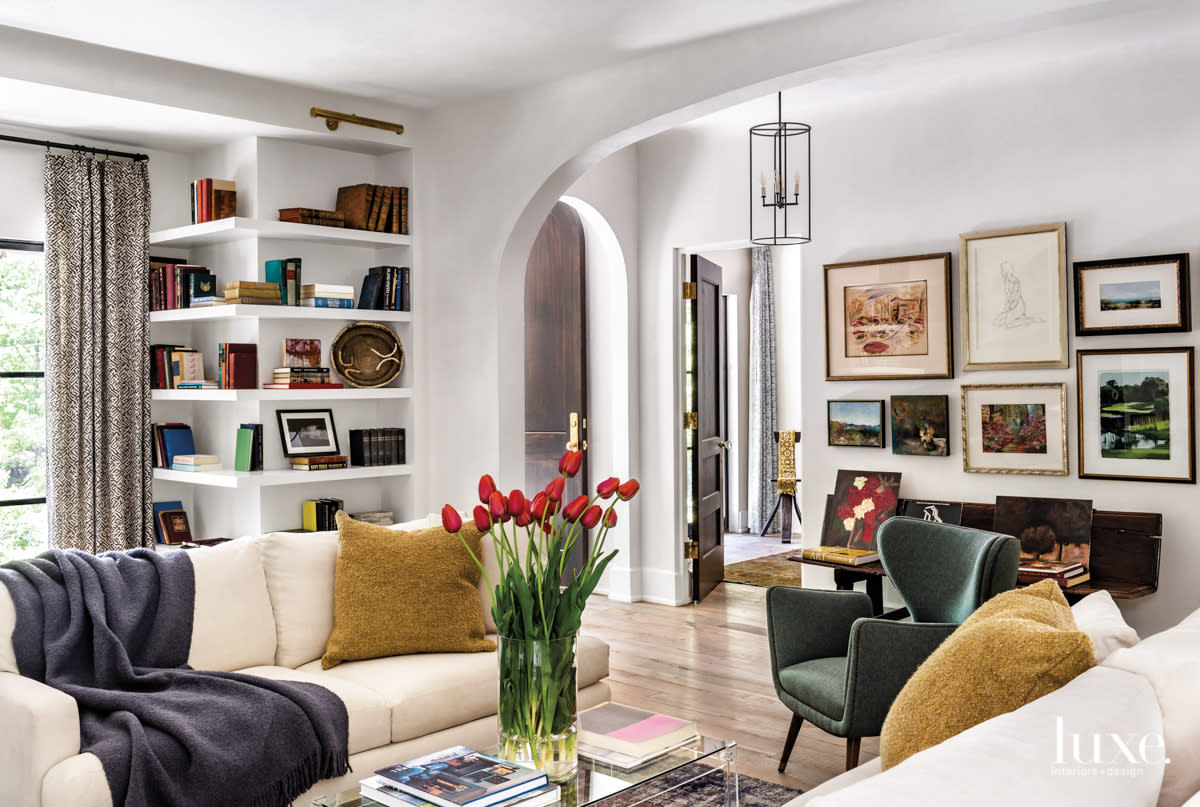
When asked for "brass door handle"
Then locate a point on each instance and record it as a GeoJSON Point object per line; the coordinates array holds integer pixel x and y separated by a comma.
{"type": "Point", "coordinates": [723, 444]}
{"type": "Point", "coordinates": [573, 438]}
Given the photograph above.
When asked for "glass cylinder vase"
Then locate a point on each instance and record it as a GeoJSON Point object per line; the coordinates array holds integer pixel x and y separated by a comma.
{"type": "Point", "coordinates": [537, 704]}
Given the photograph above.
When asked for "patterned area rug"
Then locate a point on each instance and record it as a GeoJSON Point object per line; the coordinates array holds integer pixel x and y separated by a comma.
{"type": "Point", "coordinates": [769, 570]}
{"type": "Point", "coordinates": [692, 789]}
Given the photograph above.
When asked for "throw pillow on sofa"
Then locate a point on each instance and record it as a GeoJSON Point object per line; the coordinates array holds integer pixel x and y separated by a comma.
{"type": "Point", "coordinates": [1098, 616]}
{"type": "Point", "coordinates": [399, 592]}
{"type": "Point", "coordinates": [1015, 648]}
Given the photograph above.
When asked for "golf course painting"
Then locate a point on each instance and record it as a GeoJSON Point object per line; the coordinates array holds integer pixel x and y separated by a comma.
{"type": "Point", "coordinates": [1135, 415]}
{"type": "Point", "coordinates": [1129, 295]}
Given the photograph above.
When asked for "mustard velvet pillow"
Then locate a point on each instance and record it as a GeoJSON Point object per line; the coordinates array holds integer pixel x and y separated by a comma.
{"type": "Point", "coordinates": [1015, 648]}
{"type": "Point", "coordinates": [397, 592]}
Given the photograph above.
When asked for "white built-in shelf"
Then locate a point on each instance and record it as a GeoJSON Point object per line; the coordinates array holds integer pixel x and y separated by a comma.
{"type": "Point", "coordinates": [344, 394]}
{"type": "Point", "coordinates": [285, 476]}
{"type": "Point", "coordinates": [223, 231]}
{"type": "Point", "coordinates": [222, 312]}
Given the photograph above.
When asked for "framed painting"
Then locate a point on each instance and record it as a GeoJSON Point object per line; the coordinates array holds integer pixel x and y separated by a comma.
{"type": "Point", "coordinates": [1132, 295]}
{"type": "Point", "coordinates": [1015, 428]}
{"type": "Point", "coordinates": [861, 501]}
{"type": "Point", "coordinates": [888, 318]}
{"type": "Point", "coordinates": [856, 423]}
{"type": "Point", "coordinates": [921, 425]}
{"type": "Point", "coordinates": [307, 432]}
{"type": "Point", "coordinates": [1014, 298]}
{"type": "Point", "coordinates": [1048, 529]}
{"type": "Point", "coordinates": [1136, 410]}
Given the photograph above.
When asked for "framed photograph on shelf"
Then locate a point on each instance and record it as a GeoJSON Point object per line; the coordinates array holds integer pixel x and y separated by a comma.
{"type": "Point", "coordinates": [1014, 298]}
{"type": "Point", "coordinates": [1015, 428]}
{"type": "Point", "coordinates": [1136, 410]}
{"type": "Point", "coordinates": [1132, 295]}
{"type": "Point", "coordinates": [307, 432]}
{"type": "Point", "coordinates": [888, 318]}
{"type": "Point", "coordinates": [921, 425]}
{"type": "Point", "coordinates": [856, 423]}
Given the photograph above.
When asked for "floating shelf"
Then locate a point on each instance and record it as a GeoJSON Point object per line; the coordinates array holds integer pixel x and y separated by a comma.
{"type": "Point", "coordinates": [223, 312]}
{"type": "Point", "coordinates": [223, 231]}
{"type": "Point", "coordinates": [344, 394]}
{"type": "Point", "coordinates": [285, 476]}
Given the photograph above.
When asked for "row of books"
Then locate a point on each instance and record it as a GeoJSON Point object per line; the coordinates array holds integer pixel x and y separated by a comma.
{"type": "Point", "coordinates": [248, 450]}
{"type": "Point", "coordinates": [382, 208]}
{"type": "Point", "coordinates": [213, 199]}
{"type": "Point", "coordinates": [302, 378]}
{"type": "Point", "coordinates": [377, 446]}
{"type": "Point", "coordinates": [386, 288]}
{"type": "Point", "coordinates": [310, 215]}
{"type": "Point", "coordinates": [176, 285]}
{"type": "Point", "coordinates": [171, 523]}
{"type": "Point", "coordinates": [322, 462]}
{"type": "Point", "coordinates": [326, 295]}
{"type": "Point", "coordinates": [237, 365]}
{"type": "Point", "coordinates": [169, 441]}
{"type": "Point", "coordinates": [285, 274]}
{"type": "Point", "coordinates": [318, 515]}
{"type": "Point", "coordinates": [173, 366]}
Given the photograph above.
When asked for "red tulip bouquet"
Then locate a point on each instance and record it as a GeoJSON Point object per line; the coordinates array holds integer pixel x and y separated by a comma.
{"type": "Point", "coordinates": [536, 610]}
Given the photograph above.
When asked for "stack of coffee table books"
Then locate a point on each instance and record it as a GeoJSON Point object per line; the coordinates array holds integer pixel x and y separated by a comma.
{"type": "Point", "coordinates": [627, 737]}
{"type": "Point", "coordinates": [459, 777]}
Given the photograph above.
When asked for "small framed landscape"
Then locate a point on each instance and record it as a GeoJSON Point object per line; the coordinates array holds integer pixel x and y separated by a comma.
{"type": "Point", "coordinates": [888, 318]}
{"type": "Point", "coordinates": [1015, 428]}
{"type": "Point", "coordinates": [856, 423]}
{"type": "Point", "coordinates": [1132, 295]}
{"type": "Point", "coordinates": [1014, 298]}
{"type": "Point", "coordinates": [1136, 410]}
{"type": "Point", "coordinates": [921, 425]}
{"type": "Point", "coordinates": [307, 432]}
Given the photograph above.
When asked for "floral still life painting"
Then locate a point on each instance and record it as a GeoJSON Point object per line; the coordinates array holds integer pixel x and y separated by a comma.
{"type": "Point", "coordinates": [862, 500]}
{"type": "Point", "coordinates": [921, 425]}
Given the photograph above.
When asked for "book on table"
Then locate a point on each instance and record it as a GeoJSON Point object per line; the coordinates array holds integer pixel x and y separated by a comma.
{"type": "Point", "coordinates": [1050, 568]}
{"type": "Point", "coordinates": [840, 554]}
{"type": "Point", "coordinates": [636, 733]}
{"type": "Point", "coordinates": [461, 777]}
{"type": "Point", "coordinates": [383, 791]}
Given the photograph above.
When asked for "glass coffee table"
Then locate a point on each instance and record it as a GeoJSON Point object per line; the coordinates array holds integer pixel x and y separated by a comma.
{"type": "Point", "coordinates": [600, 784]}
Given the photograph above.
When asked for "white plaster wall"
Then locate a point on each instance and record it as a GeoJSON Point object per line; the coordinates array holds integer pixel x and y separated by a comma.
{"type": "Point", "coordinates": [1107, 146]}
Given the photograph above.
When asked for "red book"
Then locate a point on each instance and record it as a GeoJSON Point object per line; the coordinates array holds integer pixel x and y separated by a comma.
{"type": "Point", "coordinates": [300, 385]}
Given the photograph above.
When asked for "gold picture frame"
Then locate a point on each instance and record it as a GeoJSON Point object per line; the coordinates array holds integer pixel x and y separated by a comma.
{"type": "Point", "coordinates": [1015, 429]}
{"type": "Point", "coordinates": [888, 319]}
{"type": "Point", "coordinates": [1013, 295]}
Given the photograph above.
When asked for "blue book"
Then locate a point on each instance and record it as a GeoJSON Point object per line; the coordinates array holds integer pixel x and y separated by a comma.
{"type": "Point", "coordinates": [159, 507]}
{"type": "Point", "coordinates": [277, 273]}
{"type": "Point", "coordinates": [177, 441]}
{"type": "Point", "coordinates": [327, 302]}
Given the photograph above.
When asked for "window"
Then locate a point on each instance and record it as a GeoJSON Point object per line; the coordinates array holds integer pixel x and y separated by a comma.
{"type": "Point", "coordinates": [23, 530]}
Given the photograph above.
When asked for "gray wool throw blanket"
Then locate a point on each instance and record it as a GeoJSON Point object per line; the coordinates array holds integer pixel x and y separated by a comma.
{"type": "Point", "coordinates": [114, 632]}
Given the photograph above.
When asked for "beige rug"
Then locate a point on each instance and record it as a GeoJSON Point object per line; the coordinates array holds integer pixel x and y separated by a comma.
{"type": "Point", "coordinates": [769, 570]}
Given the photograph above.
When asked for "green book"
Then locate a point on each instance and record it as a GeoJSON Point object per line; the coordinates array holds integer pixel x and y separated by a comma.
{"type": "Point", "coordinates": [245, 445]}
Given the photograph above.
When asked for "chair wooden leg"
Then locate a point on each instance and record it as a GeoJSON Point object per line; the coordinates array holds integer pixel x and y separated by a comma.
{"type": "Point", "coordinates": [852, 746]}
{"type": "Point", "coordinates": [793, 730]}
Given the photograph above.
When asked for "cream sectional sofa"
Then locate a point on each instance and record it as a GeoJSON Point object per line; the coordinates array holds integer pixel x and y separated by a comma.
{"type": "Point", "coordinates": [264, 606]}
{"type": "Point", "coordinates": [1137, 708]}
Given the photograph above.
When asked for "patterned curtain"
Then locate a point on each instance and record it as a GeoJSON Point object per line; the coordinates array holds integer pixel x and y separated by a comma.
{"type": "Point", "coordinates": [763, 458]}
{"type": "Point", "coordinates": [97, 338]}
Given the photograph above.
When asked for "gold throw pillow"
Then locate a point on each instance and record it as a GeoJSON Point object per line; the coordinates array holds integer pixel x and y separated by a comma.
{"type": "Point", "coordinates": [1015, 648]}
{"type": "Point", "coordinates": [398, 592]}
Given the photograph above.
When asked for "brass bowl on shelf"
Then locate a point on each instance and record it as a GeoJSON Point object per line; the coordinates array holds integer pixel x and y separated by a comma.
{"type": "Point", "coordinates": [367, 354]}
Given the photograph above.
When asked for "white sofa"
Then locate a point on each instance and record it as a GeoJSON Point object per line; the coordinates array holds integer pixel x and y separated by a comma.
{"type": "Point", "coordinates": [1141, 704]}
{"type": "Point", "coordinates": [264, 606]}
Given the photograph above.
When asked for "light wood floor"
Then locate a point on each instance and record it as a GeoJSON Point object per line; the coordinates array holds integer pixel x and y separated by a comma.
{"type": "Point", "coordinates": [710, 663]}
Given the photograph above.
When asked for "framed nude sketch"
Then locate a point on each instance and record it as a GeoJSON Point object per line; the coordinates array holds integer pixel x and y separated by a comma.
{"type": "Point", "coordinates": [888, 318]}
{"type": "Point", "coordinates": [1014, 298]}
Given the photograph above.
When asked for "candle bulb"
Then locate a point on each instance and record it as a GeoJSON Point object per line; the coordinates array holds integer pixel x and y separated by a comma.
{"type": "Point", "coordinates": [777, 186]}
{"type": "Point", "coordinates": [797, 181]}
{"type": "Point", "coordinates": [762, 180]}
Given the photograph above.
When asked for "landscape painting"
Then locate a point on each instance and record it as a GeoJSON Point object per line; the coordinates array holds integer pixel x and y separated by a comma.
{"type": "Point", "coordinates": [1130, 295]}
{"type": "Point", "coordinates": [1049, 529]}
{"type": "Point", "coordinates": [920, 425]}
{"type": "Point", "coordinates": [1014, 428]}
{"type": "Point", "coordinates": [1135, 415]}
{"type": "Point", "coordinates": [887, 319]}
{"type": "Point", "coordinates": [856, 423]}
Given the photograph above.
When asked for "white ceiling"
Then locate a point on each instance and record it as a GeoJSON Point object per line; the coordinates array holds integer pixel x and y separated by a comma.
{"type": "Point", "coordinates": [422, 53]}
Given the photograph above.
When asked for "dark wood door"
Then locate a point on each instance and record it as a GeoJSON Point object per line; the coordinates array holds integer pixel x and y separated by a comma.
{"type": "Point", "coordinates": [708, 442]}
{"type": "Point", "coordinates": [556, 354]}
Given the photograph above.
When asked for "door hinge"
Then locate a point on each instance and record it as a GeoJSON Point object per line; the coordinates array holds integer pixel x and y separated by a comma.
{"type": "Point", "coordinates": [691, 550]}
{"type": "Point", "coordinates": [691, 421]}
{"type": "Point", "coordinates": [689, 290]}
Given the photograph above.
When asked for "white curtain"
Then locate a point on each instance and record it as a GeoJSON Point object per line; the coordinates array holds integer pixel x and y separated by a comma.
{"type": "Point", "coordinates": [762, 456]}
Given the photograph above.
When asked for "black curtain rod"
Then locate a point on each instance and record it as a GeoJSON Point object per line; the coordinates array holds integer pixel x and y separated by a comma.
{"type": "Point", "coordinates": [50, 144]}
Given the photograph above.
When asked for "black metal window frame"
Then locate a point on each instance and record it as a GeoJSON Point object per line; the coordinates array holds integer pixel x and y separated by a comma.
{"type": "Point", "coordinates": [22, 246]}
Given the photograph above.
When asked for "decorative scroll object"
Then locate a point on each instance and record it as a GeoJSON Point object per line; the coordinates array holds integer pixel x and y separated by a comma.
{"type": "Point", "coordinates": [367, 354]}
{"type": "Point", "coordinates": [787, 463]}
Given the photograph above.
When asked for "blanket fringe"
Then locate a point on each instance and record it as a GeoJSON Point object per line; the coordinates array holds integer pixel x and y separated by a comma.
{"type": "Point", "coordinates": [322, 765]}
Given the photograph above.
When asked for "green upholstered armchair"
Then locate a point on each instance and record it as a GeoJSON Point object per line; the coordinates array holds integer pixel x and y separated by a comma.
{"type": "Point", "coordinates": [839, 668]}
